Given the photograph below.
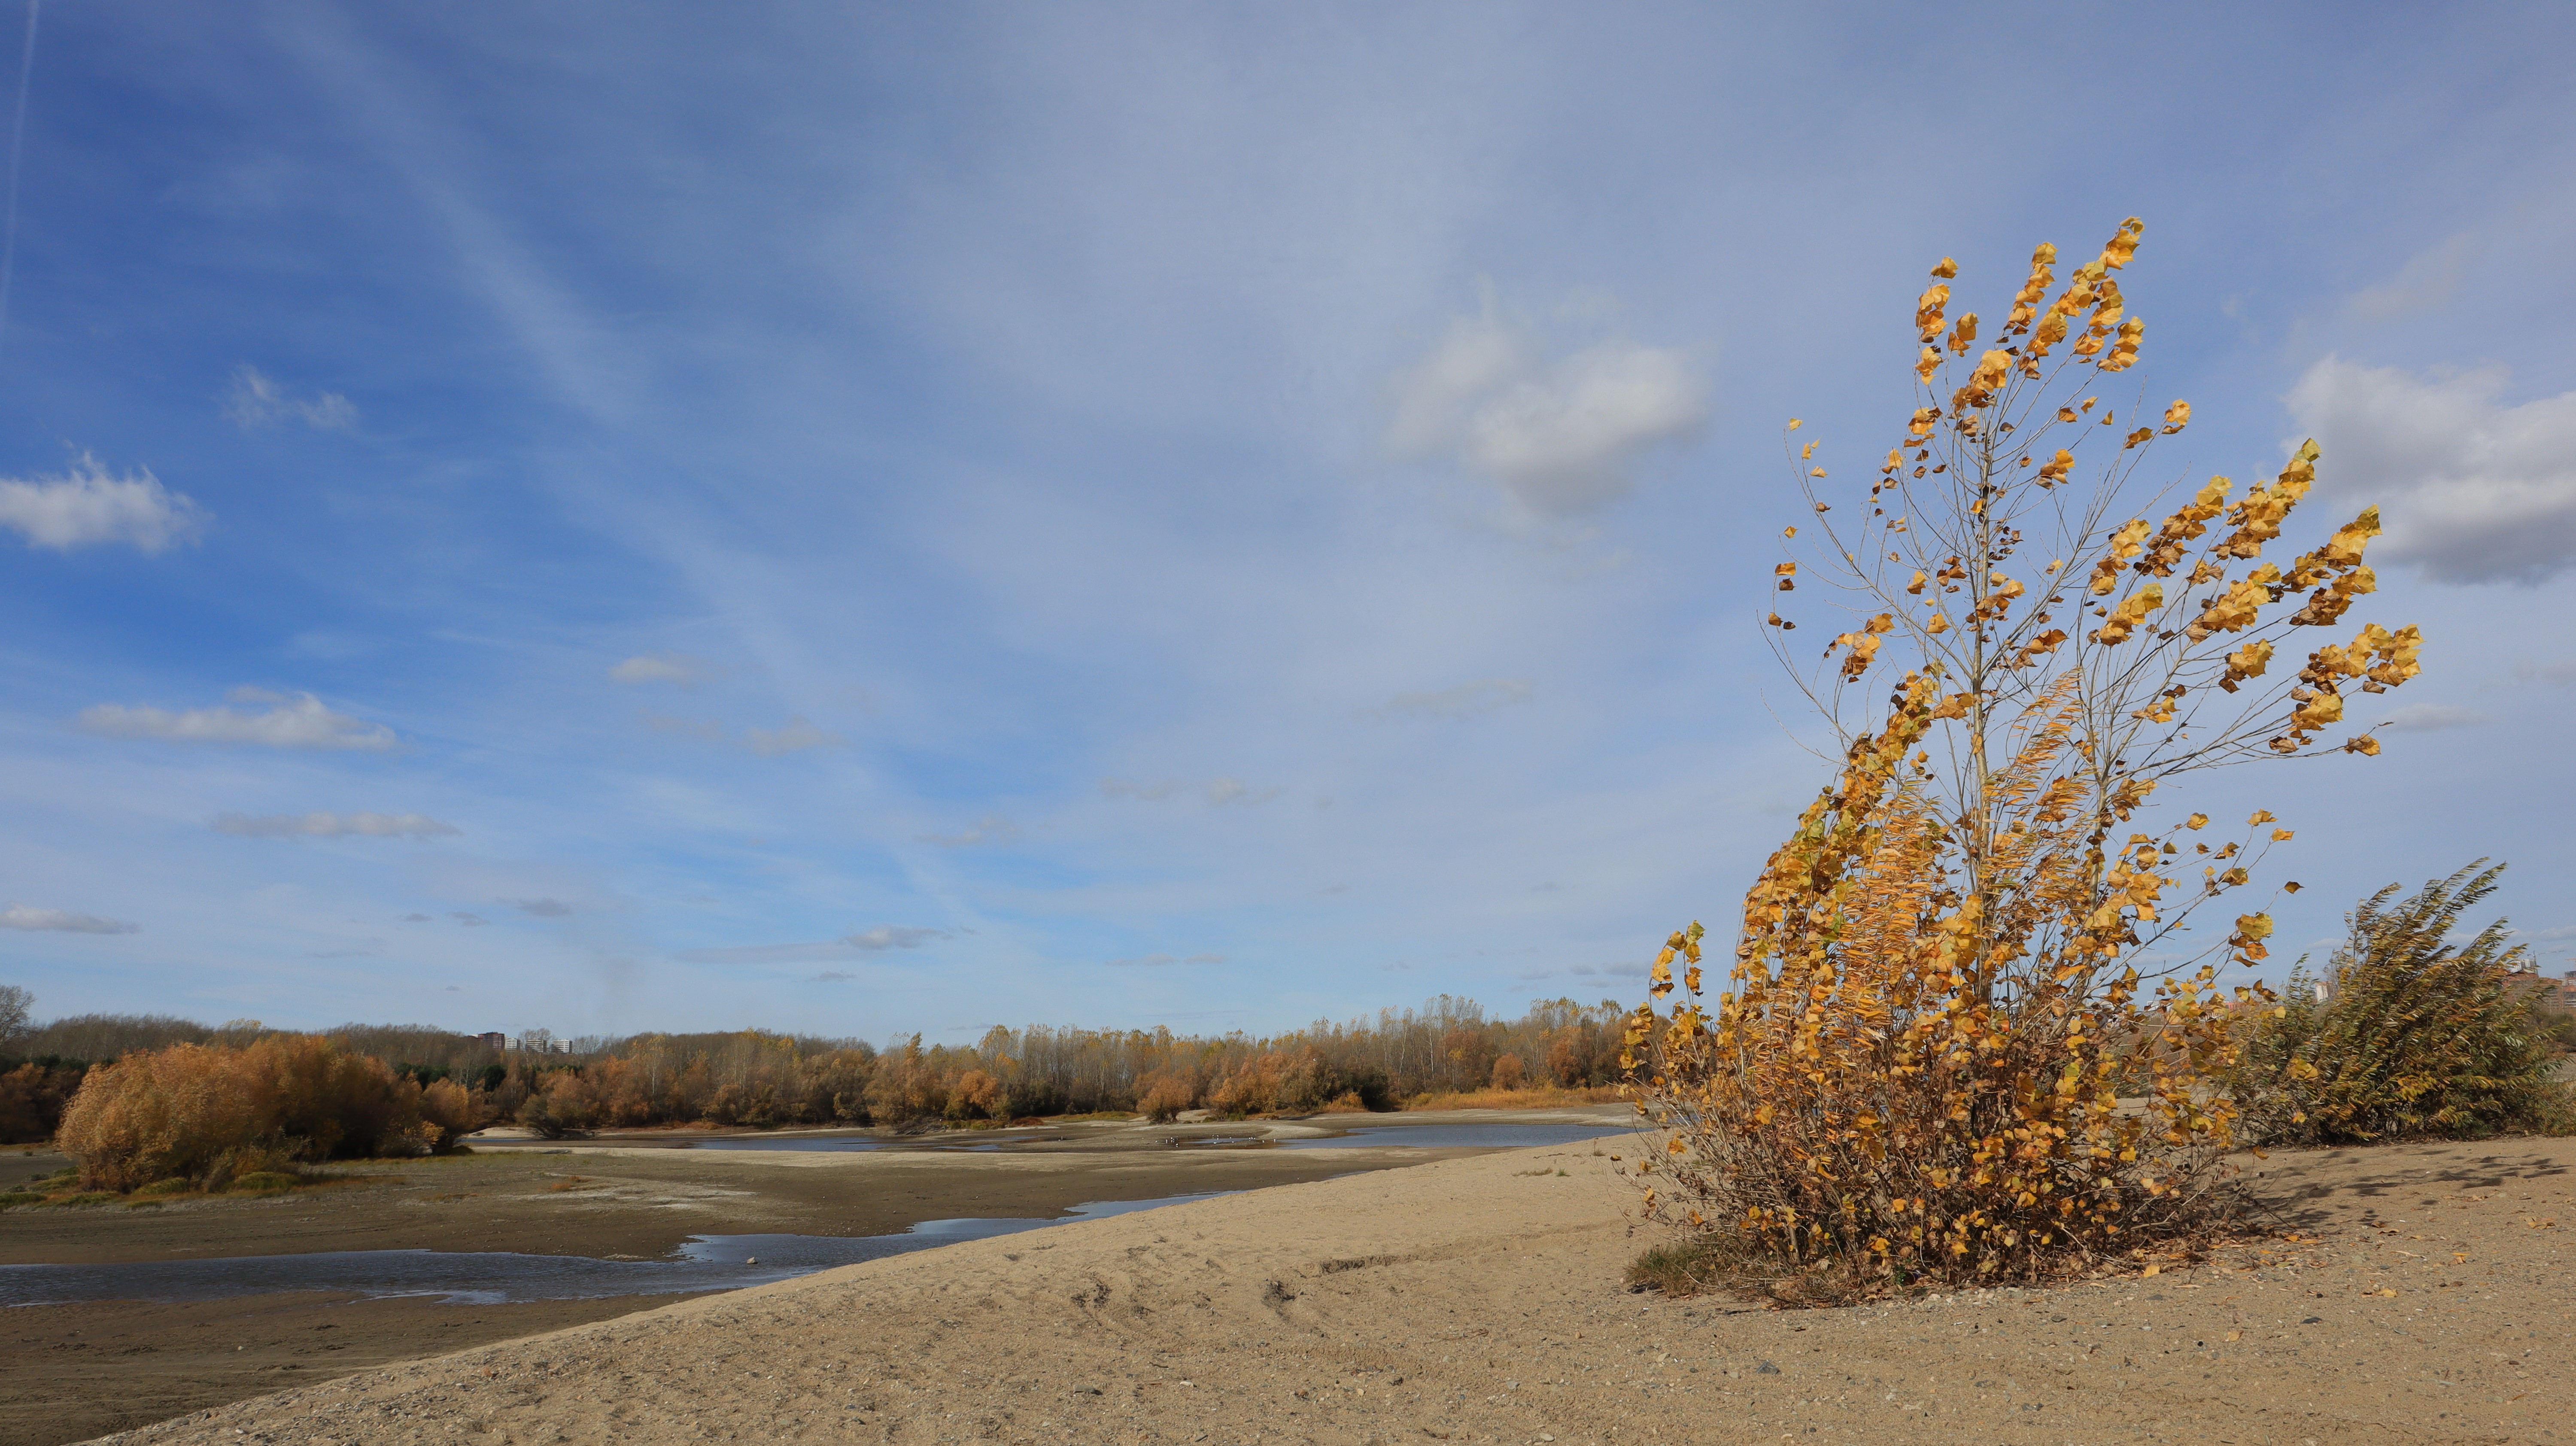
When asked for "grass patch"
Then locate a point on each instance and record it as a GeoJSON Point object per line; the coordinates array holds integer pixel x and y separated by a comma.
{"type": "Point", "coordinates": [1689, 1267]}
{"type": "Point", "coordinates": [11, 1199]}
{"type": "Point", "coordinates": [85, 1197]}
{"type": "Point", "coordinates": [264, 1182]}
{"type": "Point", "coordinates": [175, 1185]}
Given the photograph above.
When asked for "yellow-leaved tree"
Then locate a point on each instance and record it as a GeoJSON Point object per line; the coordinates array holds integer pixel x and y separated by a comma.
{"type": "Point", "coordinates": [1963, 1037]}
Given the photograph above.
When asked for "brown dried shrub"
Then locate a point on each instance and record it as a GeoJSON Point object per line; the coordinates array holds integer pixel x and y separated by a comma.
{"type": "Point", "coordinates": [211, 1113]}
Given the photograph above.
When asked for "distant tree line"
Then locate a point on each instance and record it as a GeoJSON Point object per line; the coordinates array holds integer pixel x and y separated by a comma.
{"type": "Point", "coordinates": [760, 1079]}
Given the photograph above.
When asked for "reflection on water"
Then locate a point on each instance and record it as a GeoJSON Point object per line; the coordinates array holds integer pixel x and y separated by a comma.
{"type": "Point", "coordinates": [793, 1142]}
{"type": "Point", "coordinates": [1475, 1136]}
{"type": "Point", "coordinates": [861, 1142]}
{"type": "Point", "coordinates": [706, 1262]}
{"type": "Point", "coordinates": [1489, 1135]}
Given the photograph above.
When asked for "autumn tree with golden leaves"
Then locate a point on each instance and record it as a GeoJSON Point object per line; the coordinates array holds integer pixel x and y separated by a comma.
{"type": "Point", "coordinates": [1941, 988]}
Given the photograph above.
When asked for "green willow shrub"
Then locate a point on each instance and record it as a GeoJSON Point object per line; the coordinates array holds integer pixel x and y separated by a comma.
{"type": "Point", "coordinates": [2417, 1036]}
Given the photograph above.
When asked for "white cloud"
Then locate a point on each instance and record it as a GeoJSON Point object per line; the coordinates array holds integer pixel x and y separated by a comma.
{"type": "Point", "coordinates": [2552, 674]}
{"type": "Point", "coordinates": [991, 829]}
{"type": "Point", "coordinates": [256, 401]}
{"type": "Point", "coordinates": [793, 736]}
{"type": "Point", "coordinates": [542, 908]}
{"type": "Point", "coordinates": [678, 668]}
{"type": "Point", "coordinates": [1218, 792]}
{"type": "Point", "coordinates": [19, 916]}
{"type": "Point", "coordinates": [2470, 490]}
{"type": "Point", "coordinates": [1161, 961]}
{"type": "Point", "coordinates": [832, 976]}
{"type": "Point", "coordinates": [297, 722]}
{"type": "Point", "coordinates": [1464, 701]}
{"type": "Point", "coordinates": [85, 505]}
{"type": "Point", "coordinates": [2433, 717]}
{"type": "Point", "coordinates": [470, 921]}
{"type": "Point", "coordinates": [892, 936]}
{"type": "Point", "coordinates": [1561, 434]}
{"type": "Point", "coordinates": [361, 824]}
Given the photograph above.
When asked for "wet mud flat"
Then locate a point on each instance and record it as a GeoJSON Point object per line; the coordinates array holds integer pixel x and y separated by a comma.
{"type": "Point", "coordinates": [71, 1372]}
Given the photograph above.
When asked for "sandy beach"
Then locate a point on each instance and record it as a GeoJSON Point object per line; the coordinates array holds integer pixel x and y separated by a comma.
{"type": "Point", "coordinates": [2423, 1298]}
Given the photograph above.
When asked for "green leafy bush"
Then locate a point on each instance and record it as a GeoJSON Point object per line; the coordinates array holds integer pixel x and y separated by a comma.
{"type": "Point", "coordinates": [2417, 1036]}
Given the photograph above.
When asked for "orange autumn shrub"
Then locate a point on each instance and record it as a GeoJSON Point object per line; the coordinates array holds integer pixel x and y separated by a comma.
{"type": "Point", "coordinates": [198, 1111]}
{"type": "Point", "coordinates": [1946, 979]}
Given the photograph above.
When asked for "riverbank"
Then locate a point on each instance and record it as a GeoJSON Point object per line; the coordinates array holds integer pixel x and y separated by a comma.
{"type": "Point", "coordinates": [1477, 1299]}
{"type": "Point", "coordinates": [78, 1370]}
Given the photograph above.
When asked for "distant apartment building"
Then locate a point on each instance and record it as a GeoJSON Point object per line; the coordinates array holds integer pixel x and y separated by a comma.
{"type": "Point", "coordinates": [493, 1040]}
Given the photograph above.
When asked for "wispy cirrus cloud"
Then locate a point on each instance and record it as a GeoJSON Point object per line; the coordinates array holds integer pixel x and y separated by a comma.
{"type": "Point", "coordinates": [992, 830]}
{"type": "Point", "coordinates": [360, 824]}
{"type": "Point", "coordinates": [300, 721]}
{"type": "Point", "coordinates": [255, 400]}
{"type": "Point", "coordinates": [1467, 700]}
{"type": "Point", "coordinates": [796, 735]}
{"type": "Point", "coordinates": [86, 506]}
{"type": "Point", "coordinates": [1605, 973]}
{"type": "Point", "coordinates": [1215, 792]}
{"type": "Point", "coordinates": [878, 940]}
{"type": "Point", "coordinates": [678, 669]}
{"type": "Point", "coordinates": [22, 916]}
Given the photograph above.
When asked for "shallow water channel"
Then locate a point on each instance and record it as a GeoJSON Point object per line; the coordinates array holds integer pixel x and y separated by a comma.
{"type": "Point", "coordinates": [706, 1262]}
{"type": "Point", "coordinates": [1466, 1136]}
{"type": "Point", "coordinates": [1495, 1135]}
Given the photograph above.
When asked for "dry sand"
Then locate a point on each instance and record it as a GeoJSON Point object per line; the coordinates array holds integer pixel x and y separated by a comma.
{"type": "Point", "coordinates": [1477, 1299]}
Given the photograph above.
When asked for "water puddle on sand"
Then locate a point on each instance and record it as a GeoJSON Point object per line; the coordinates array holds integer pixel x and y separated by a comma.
{"type": "Point", "coordinates": [1469, 1136]}
{"type": "Point", "coordinates": [706, 1262]}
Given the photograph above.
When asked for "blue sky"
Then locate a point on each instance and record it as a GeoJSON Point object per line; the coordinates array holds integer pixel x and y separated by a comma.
{"type": "Point", "coordinates": [860, 519]}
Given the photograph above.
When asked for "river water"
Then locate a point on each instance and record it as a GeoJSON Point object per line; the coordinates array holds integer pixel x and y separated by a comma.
{"type": "Point", "coordinates": [1494, 1135]}
{"type": "Point", "coordinates": [706, 1262]}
